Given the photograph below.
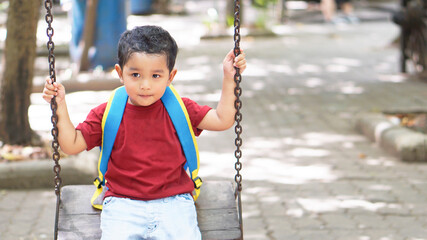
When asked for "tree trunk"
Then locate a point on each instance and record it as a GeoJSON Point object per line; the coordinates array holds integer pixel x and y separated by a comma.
{"type": "Point", "coordinates": [18, 70]}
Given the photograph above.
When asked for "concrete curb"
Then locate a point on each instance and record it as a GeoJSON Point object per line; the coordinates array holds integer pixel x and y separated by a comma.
{"type": "Point", "coordinates": [408, 145]}
{"type": "Point", "coordinates": [79, 169]}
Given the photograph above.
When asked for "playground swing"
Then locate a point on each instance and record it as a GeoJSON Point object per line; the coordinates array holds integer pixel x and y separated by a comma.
{"type": "Point", "coordinates": [218, 216]}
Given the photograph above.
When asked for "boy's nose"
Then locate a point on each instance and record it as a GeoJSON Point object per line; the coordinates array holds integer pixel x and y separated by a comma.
{"type": "Point", "coordinates": [145, 84]}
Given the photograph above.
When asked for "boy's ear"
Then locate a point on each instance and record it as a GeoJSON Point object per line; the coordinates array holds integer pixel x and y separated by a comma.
{"type": "Point", "coordinates": [172, 75]}
{"type": "Point", "coordinates": [119, 72]}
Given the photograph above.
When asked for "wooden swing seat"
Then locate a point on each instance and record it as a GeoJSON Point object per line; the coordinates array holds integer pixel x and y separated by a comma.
{"type": "Point", "coordinates": [216, 212]}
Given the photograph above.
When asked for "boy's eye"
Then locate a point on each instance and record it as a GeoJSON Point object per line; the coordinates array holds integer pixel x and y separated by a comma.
{"type": "Point", "coordinates": [156, 75]}
{"type": "Point", "coordinates": [135, 75]}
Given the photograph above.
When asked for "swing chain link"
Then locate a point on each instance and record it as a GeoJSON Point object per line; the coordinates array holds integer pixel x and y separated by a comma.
{"type": "Point", "coordinates": [238, 103]}
{"type": "Point", "coordinates": [54, 106]}
{"type": "Point", "coordinates": [238, 116]}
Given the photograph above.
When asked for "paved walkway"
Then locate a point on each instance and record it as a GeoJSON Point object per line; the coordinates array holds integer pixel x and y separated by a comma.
{"type": "Point", "coordinates": [308, 175]}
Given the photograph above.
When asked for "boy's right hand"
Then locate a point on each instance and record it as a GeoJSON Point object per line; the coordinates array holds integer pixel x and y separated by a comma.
{"type": "Point", "coordinates": [55, 89]}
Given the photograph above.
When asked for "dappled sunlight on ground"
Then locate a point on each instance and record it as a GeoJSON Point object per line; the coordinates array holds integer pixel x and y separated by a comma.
{"type": "Point", "coordinates": [380, 162]}
{"type": "Point", "coordinates": [216, 165]}
{"type": "Point", "coordinates": [322, 138]}
{"type": "Point", "coordinates": [286, 173]}
{"type": "Point", "coordinates": [299, 177]}
{"type": "Point", "coordinates": [392, 78]}
{"type": "Point", "coordinates": [338, 204]}
{"type": "Point", "coordinates": [308, 68]}
{"type": "Point", "coordinates": [351, 62]}
{"type": "Point", "coordinates": [351, 88]}
{"type": "Point", "coordinates": [300, 144]}
{"type": "Point", "coordinates": [308, 152]}
{"type": "Point", "coordinates": [284, 170]}
{"type": "Point", "coordinates": [335, 68]}
{"type": "Point", "coordinates": [307, 71]}
{"type": "Point", "coordinates": [314, 82]}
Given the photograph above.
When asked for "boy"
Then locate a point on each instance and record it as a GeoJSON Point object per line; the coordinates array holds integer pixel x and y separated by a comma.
{"type": "Point", "coordinates": [148, 194]}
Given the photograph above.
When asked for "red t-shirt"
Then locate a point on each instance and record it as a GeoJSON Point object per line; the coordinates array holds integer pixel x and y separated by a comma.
{"type": "Point", "coordinates": [147, 159]}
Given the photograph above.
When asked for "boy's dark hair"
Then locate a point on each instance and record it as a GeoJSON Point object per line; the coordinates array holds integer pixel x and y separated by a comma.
{"type": "Point", "coordinates": [147, 39]}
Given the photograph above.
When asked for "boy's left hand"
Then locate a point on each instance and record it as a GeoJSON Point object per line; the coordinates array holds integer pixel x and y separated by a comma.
{"type": "Point", "coordinates": [230, 62]}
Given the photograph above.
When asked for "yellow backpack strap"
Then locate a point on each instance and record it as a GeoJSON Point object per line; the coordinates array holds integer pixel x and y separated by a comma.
{"type": "Point", "coordinates": [181, 121]}
{"type": "Point", "coordinates": [110, 125]}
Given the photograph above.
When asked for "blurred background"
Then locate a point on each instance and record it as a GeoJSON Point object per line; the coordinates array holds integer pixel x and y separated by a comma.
{"type": "Point", "coordinates": [334, 108]}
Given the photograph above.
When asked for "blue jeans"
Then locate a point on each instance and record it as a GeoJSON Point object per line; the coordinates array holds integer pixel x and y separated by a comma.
{"type": "Point", "coordinates": [167, 218]}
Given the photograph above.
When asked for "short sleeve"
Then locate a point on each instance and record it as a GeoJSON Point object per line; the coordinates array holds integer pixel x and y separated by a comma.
{"type": "Point", "coordinates": [196, 113]}
{"type": "Point", "coordinates": [91, 128]}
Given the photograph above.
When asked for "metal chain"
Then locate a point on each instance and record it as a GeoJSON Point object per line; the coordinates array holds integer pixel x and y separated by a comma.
{"type": "Point", "coordinates": [238, 102]}
{"type": "Point", "coordinates": [238, 116]}
{"type": "Point", "coordinates": [53, 105]}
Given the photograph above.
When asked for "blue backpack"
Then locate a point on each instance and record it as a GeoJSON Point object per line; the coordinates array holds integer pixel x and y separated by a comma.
{"type": "Point", "coordinates": [110, 125]}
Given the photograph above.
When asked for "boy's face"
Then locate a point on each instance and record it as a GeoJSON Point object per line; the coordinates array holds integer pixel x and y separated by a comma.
{"type": "Point", "coordinates": [145, 77]}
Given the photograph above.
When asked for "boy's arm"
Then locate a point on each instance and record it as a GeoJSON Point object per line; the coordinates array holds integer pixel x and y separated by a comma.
{"type": "Point", "coordinates": [222, 117]}
{"type": "Point", "coordinates": [70, 140]}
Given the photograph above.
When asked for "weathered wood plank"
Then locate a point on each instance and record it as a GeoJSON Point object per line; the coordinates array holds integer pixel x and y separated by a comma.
{"type": "Point", "coordinates": [216, 194]}
{"type": "Point", "coordinates": [79, 226]}
{"type": "Point", "coordinates": [75, 199]}
{"type": "Point", "coordinates": [216, 210]}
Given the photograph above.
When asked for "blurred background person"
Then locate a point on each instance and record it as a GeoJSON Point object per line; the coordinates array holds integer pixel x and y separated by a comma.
{"type": "Point", "coordinates": [329, 11]}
